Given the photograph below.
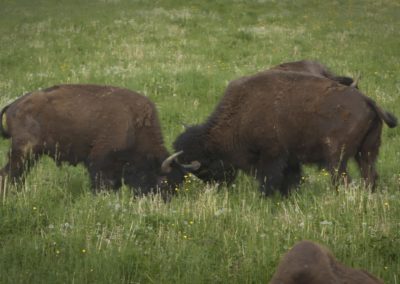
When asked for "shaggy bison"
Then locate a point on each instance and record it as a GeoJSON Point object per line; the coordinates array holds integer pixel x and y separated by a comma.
{"type": "Point", "coordinates": [114, 132]}
{"type": "Point", "coordinates": [271, 123]}
{"type": "Point", "coordinates": [315, 68]}
{"type": "Point", "coordinates": [308, 262]}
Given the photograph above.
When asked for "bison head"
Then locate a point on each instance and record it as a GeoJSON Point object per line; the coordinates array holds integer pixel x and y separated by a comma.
{"type": "Point", "coordinates": [197, 158]}
{"type": "Point", "coordinates": [144, 174]}
{"type": "Point", "coordinates": [172, 174]}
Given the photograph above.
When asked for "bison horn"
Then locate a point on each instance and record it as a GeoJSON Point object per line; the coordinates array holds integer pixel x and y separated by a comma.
{"type": "Point", "coordinates": [166, 165]}
{"type": "Point", "coordinates": [194, 166]}
{"type": "Point", "coordinates": [355, 82]}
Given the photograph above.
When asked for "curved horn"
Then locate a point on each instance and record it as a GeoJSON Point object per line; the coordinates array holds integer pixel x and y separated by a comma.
{"type": "Point", "coordinates": [194, 166]}
{"type": "Point", "coordinates": [355, 82]}
{"type": "Point", "coordinates": [166, 165]}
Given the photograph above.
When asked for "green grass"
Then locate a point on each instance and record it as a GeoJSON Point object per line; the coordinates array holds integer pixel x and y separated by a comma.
{"type": "Point", "coordinates": [182, 54]}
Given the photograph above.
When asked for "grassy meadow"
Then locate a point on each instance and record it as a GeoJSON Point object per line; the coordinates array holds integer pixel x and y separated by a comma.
{"type": "Point", "coordinates": [182, 54]}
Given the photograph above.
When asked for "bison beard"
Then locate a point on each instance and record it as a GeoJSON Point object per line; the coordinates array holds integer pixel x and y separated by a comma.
{"type": "Point", "coordinates": [308, 262]}
{"type": "Point", "coordinates": [114, 132]}
{"type": "Point", "coordinates": [271, 123]}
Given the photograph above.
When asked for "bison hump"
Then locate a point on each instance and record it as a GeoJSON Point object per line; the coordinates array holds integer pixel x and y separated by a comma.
{"type": "Point", "coordinates": [145, 116]}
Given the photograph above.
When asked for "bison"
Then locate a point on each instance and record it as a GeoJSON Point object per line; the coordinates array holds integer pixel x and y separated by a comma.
{"type": "Point", "coordinates": [113, 131]}
{"type": "Point", "coordinates": [311, 263]}
{"type": "Point", "coordinates": [315, 68]}
{"type": "Point", "coordinates": [271, 123]}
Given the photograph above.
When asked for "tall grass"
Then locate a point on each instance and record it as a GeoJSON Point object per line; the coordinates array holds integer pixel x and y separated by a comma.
{"type": "Point", "coordinates": [181, 54]}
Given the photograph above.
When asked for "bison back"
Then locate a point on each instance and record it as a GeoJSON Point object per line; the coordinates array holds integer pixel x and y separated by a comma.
{"type": "Point", "coordinates": [80, 119]}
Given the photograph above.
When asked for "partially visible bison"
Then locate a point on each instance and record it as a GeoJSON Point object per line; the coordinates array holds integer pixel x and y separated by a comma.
{"type": "Point", "coordinates": [271, 123]}
{"type": "Point", "coordinates": [315, 68]}
{"type": "Point", "coordinates": [311, 263]}
{"type": "Point", "coordinates": [114, 132]}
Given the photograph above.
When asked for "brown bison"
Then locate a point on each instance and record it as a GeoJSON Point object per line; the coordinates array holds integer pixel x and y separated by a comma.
{"type": "Point", "coordinates": [311, 263]}
{"type": "Point", "coordinates": [271, 123]}
{"type": "Point", "coordinates": [315, 68]}
{"type": "Point", "coordinates": [114, 132]}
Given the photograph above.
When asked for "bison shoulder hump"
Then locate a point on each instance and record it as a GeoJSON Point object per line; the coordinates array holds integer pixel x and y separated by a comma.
{"type": "Point", "coordinates": [145, 115]}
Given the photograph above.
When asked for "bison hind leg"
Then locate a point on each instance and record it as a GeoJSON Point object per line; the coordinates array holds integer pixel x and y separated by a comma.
{"type": "Point", "coordinates": [368, 153]}
{"type": "Point", "coordinates": [21, 160]}
{"type": "Point", "coordinates": [338, 171]}
{"type": "Point", "coordinates": [335, 161]}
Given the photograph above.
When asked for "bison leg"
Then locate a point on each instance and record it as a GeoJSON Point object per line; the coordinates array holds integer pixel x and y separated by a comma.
{"type": "Point", "coordinates": [338, 170]}
{"type": "Point", "coordinates": [336, 157]}
{"type": "Point", "coordinates": [270, 175]}
{"type": "Point", "coordinates": [367, 155]}
{"type": "Point", "coordinates": [100, 180]}
{"type": "Point", "coordinates": [103, 175]}
{"type": "Point", "coordinates": [291, 178]}
{"type": "Point", "coordinates": [95, 180]}
{"type": "Point", "coordinates": [366, 163]}
{"type": "Point", "coordinates": [19, 162]}
{"type": "Point", "coordinates": [103, 171]}
{"type": "Point", "coordinates": [103, 179]}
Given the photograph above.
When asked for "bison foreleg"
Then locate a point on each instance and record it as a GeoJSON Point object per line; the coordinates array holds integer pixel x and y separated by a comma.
{"type": "Point", "coordinates": [291, 178]}
{"type": "Point", "coordinates": [270, 174]}
{"type": "Point", "coordinates": [100, 179]}
{"type": "Point", "coordinates": [104, 171]}
{"type": "Point", "coordinates": [103, 175]}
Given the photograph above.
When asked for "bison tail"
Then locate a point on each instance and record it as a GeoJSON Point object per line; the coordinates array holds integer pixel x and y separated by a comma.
{"type": "Point", "coordinates": [389, 118]}
{"type": "Point", "coordinates": [3, 132]}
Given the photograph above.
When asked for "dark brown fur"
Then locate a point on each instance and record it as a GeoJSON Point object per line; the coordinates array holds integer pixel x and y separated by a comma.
{"type": "Point", "coordinates": [314, 68]}
{"type": "Point", "coordinates": [114, 132]}
{"type": "Point", "coordinates": [271, 123]}
{"type": "Point", "coordinates": [311, 263]}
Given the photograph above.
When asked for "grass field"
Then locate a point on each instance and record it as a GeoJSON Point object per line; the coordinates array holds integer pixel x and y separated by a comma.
{"type": "Point", "coordinates": [182, 54]}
